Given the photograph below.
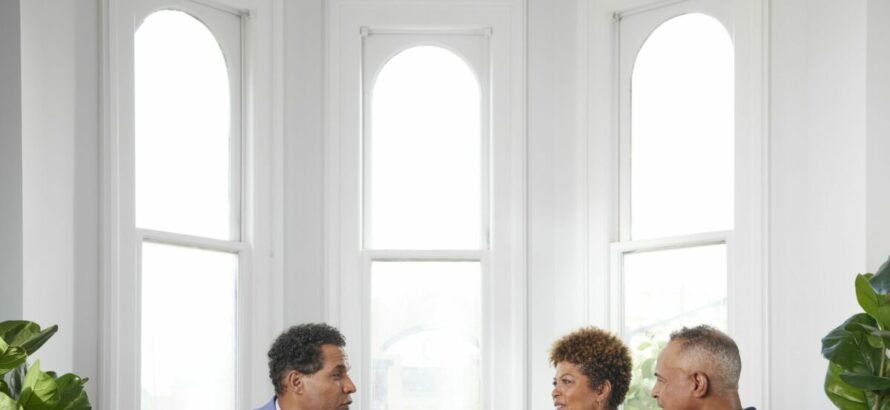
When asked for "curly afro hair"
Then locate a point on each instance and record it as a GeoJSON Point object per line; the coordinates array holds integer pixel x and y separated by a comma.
{"type": "Point", "coordinates": [299, 348]}
{"type": "Point", "coordinates": [600, 356]}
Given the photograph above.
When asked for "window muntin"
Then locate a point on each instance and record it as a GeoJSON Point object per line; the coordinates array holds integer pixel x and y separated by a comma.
{"type": "Point", "coordinates": [424, 153]}
{"type": "Point", "coordinates": [682, 130]}
{"type": "Point", "coordinates": [185, 175]}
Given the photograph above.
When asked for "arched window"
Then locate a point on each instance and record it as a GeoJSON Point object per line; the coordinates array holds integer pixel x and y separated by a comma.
{"type": "Point", "coordinates": [677, 185]}
{"type": "Point", "coordinates": [425, 156]}
{"type": "Point", "coordinates": [187, 210]}
{"type": "Point", "coordinates": [424, 192]}
{"type": "Point", "coordinates": [184, 129]}
{"type": "Point", "coordinates": [424, 153]}
{"type": "Point", "coordinates": [682, 130]}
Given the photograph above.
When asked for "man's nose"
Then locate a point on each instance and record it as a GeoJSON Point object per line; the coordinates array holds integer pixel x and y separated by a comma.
{"type": "Point", "coordinates": [349, 387]}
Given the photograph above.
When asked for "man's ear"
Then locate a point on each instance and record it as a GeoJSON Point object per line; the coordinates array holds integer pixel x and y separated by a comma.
{"type": "Point", "coordinates": [604, 392]}
{"type": "Point", "coordinates": [700, 384]}
{"type": "Point", "coordinates": [293, 381]}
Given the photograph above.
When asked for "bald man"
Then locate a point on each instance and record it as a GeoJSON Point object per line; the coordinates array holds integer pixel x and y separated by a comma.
{"type": "Point", "coordinates": [699, 369]}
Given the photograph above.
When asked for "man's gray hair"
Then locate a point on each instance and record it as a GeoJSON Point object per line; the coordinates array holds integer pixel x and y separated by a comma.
{"type": "Point", "coordinates": [711, 346]}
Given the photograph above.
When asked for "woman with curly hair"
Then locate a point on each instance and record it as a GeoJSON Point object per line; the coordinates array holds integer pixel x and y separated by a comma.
{"type": "Point", "coordinates": [593, 369]}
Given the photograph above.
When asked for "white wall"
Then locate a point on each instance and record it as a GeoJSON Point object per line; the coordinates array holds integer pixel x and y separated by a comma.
{"type": "Point", "coordinates": [10, 162]}
{"type": "Point", "coordinates": [60, 180]}
{"type": "Point", "coordinates": [85, 240]}
{"type": "Point", "coordinates": [877, 144]}
{"type": "Point", "coordinates": [303, 144]}
{"type": "Point", "coordinates": [818, 187]}
{"type": "Point", "coordinates": [557, 181]}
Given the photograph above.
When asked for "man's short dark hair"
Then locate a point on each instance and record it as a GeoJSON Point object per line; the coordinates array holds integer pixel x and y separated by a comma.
{"type": "Point", "coordinates": [299, 348]}
{"type": "Point", "coordinates": [712, 346]}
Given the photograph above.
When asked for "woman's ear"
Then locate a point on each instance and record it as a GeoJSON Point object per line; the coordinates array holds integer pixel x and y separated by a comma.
{"type": "Point", "coordinates": [700, 385]}
{"type": "Point", "coordinates": [603, 393]}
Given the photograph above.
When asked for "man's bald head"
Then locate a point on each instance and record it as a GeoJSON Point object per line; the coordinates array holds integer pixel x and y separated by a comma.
{"type": "Point", "coordinates": [712, 351]}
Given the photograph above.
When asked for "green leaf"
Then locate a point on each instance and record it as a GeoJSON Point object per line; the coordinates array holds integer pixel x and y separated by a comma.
{"type": "Point", "coordinates": [40, 391]}
{"type": "Point", "coordinates": [26, 334]}
{"type": "Point", "coordinates": [81, 402]}
{"type": "Point", "coordinates": [866, 381]}
{"type": "Point", "coordinates": [10, 358]}
{"type": "Point", "coordinates": [7, 403]}
{"type": "Point", "coordinates": [865, 294]}
{"type": "Point", "coordinates": [877, 338]}
{"type": "Point", "coordinates": [842, 394]}
{"type": "Point", "coordinates": [648, 366]}
{"type": "Point", "coordinates": [14, 332]}
{"type": "Point", "coordinates": [72, 394]}
{"type": "Point", "coordinates": [847, 346]}
{"type": "Point", "coordinates": [881, 280]}
{"type": "Point", "coordinates": [36, 340]}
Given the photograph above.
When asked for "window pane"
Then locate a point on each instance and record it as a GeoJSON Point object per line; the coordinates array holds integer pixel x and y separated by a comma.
{"type": "Point", "coordinates": [682, 130]}
{"type": "Point", "coordinates": [425, 153]}
{"type": "Point", "coordinates": [664, 291]}
{"type": "Point", "coordinates": [188, 328]}
{"type": "Point", "coordinates": [425, 335]}
{"type": "Point", "coordinates": [183, 128]}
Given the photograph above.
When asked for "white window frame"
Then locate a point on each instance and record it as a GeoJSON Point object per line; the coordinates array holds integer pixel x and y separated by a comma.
{"type": "Point", "coordinates": [347, 270]}
{"type": "Point", "coordinates": [747, 243]}
{"type": "Point", "coordinates": [260, 271]}
{"type": "Point", "coordinates": [629, 47]}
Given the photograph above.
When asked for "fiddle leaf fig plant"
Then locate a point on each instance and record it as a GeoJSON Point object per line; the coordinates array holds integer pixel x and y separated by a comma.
{"type": "Point", "coordinates": [858, 376]}
{"type": "Point", "coordinates": [30, 388]}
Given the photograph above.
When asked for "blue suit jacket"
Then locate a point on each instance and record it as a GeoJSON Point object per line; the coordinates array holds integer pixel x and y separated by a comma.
{"type": "Point", "coordinates": [268, 406]}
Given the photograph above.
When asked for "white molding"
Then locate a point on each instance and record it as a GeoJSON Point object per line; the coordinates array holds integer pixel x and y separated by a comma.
{"type": "Point", "coordinates": [331, 231]}
{"type": "Point", "coordinates": [632, 11]}
{"type": "Point", "coordinates": [765, 189]}
{"type": "Point", "coordinates": [674, 242]}
{"type": "Point", "coordinates": [118, 375]}
{"type": "Point", "coordinates": [227, 8]}
{"type": "Point", "coordinates": [263, 311]}
{"type": "Point", "coordinates": [170, 238]}
{"type": "Point", "coordinates": [108, 238]}
{"type": "Point", "coordinates": [429, 31]}
{"type": "Point", "coordinates": [425, 3]}
{"type": "Point", "coordinates": [431, 255]}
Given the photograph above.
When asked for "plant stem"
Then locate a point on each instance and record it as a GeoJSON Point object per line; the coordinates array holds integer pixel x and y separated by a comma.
{"type": "Point", "coordinates": [877, 405]}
